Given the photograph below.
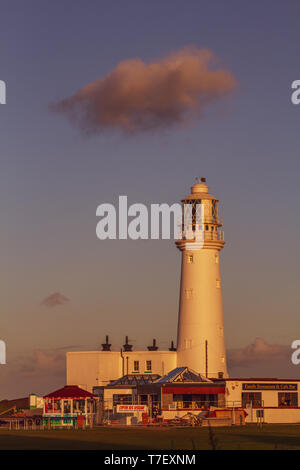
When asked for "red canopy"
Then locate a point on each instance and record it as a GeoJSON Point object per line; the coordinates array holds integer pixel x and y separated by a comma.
{"type": "Point", "coordinates": [70, 391]}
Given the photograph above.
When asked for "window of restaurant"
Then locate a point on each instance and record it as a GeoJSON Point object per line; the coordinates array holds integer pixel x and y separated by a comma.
{"type": "Point", "coordinates": [287, 399]}
{"type": "Point", "coordinates": [144, 399]}
{"type": "Point", "coordinates": [122, 399]}
{"type": "Point", "coordinates": [195, 400]}
{"type": "Point", "coordinates": [253, 398]}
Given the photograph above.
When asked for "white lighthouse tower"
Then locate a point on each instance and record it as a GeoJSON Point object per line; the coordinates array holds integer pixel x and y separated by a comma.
{"type": "Point", "coordinates": [200, 341]}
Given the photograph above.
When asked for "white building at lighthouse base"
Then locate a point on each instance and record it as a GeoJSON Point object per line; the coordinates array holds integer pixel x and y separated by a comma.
{"type": "Point", "coordinates": [89, 369]}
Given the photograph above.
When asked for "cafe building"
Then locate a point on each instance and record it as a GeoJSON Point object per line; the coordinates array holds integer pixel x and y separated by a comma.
{"type": "Point", "coordinates": [268, 400]}
{"type": "Point", "coordinates": [175, 394]}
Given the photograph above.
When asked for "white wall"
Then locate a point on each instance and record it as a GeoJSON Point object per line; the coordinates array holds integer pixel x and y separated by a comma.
{"type": "Point", "coordinates": [162, 361]}
{"type": "Point", "coordinates": [234, 390]}
{"type": "Point", "coordinates": [281, 415]}
{"type": "Point", "coordinates": [91, 368]}
{"type": "Point", "coordinates": [88, 369]}
{"type": "Point", "coordinates": [272, 413]}
{"type": "Point", "coordinates": [201, 314]}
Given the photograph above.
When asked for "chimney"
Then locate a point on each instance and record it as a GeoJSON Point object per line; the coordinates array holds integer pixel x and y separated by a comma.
{"type": "Point", "coordinates": [127, 347]}
{"type": "Point", "coordinates": [172, 347]}
{"type": "Point", "coordinates": [153, 347]}
{"type": "Point", "coordinates": [106, 346]}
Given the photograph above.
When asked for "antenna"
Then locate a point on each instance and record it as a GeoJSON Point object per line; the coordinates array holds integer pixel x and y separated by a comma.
{"type": "Point", "coordinates": [200, 179]}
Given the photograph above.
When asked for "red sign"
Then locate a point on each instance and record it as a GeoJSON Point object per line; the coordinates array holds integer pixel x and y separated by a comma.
{"type": "Point", "coordinates": [131, 408]}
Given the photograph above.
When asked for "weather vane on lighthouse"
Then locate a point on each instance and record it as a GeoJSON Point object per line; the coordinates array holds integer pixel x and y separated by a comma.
{"type": "Point", "coordinates": [200, 179]}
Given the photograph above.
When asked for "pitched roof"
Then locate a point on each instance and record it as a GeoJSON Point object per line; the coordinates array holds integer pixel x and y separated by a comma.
{"type": "Point", "coordinates": [135, 379]}
{"type": "Point", "coordinates": [182, 374]}
{"type": "Point", "coordinates": [70, 391]}
{"type": "Point", "coordinates": [17, 402]}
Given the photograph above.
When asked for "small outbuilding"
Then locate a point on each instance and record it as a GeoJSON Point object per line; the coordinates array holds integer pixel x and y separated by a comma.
{"type": "Point", "coordinates": [70, 406]}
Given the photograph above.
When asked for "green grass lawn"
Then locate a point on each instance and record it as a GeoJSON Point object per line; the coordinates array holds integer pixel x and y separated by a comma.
{"type": "Point", "coordinates": [247, 437]}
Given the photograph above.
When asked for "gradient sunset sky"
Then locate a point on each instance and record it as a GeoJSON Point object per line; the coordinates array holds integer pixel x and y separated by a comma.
{"type": "Point", "coordinates": [62, 288]}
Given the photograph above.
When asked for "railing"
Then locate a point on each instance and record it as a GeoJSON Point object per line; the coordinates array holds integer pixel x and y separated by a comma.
{"type": "Point", "coordinates": [195, 404]}
{"type": "Point", "coordinates": [245, 404]}
{"type": "Point", "coordinates": [200, 234]}
{"type": "Point", "coordinates": [233, 404]}
{"type": "Point", "coordinates": [252, 403]}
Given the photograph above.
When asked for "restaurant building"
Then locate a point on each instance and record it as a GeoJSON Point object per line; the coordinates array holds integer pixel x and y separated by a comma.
{"type": "Point", "coordinates": [173, 395]}
{"type": "Point", "coordinates": [269, 400]}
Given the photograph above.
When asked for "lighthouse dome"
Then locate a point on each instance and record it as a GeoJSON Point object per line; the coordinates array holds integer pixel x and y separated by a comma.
{"type": "Point", "coordinates": [199, 188]}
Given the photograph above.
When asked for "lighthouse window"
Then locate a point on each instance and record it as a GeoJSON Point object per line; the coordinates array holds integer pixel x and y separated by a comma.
{"type": "Point", "coordinates": [214, 210]}
{"type": "Point", "coordinates": [190, 259]}
{"type": "Point", "coordinates": [218, 283]}
{"type": "Point", "coordinates": [188, 293]}
{"type": "Point", "coordinates": [217, 259]}
{"type": "Point", "coordinates": [187, 343]}
{"type": "Point", "coordinates": [148, 366]}
{"type": "Point", "coordinates": [206, 227]}
{"type": "Point", "coordinates": [136, 366]}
